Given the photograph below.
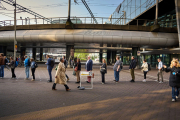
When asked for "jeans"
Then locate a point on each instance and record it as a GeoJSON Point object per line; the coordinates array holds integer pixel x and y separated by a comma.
{"type": "Point", "coordinates": [116, 75]}
{"type": "Point", "coordinates": [27, 71]}
{"type": "Point", "coordinates": [145, 73]}
{"type": "Point", "coordinates": [50, 75]}
{"type": "Point", "coordinates": [2, 71]}
{"type": "Point", "coordinates": [175, 92]}
{"type": "Point", "coordinates": [13, 74]}
{"type": "Point", "coordinates": [33, 71]}
{"type": "Point", "coordinates": [78, 76]}
{"type": "Point", "coordinates": [103, 77]}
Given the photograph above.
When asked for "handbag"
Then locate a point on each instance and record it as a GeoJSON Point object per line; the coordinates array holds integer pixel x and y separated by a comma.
{"type": "Point", "coordinates": [103, 70]}
{"type": "Point", "coordinates": [76, 68]}
{"type": "Point", "coordinates": [74, 73]}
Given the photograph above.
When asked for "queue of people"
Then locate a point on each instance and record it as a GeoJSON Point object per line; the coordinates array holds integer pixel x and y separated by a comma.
{"type": "Point", "coordinates": [62, 78]}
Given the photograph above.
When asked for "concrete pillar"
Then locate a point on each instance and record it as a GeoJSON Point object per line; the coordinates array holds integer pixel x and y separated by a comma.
{"type": "Point", "coordinates": [177, 7]}
{"type": "Point", "coordinates": [3, 49]}
{"type": "Point", "coordinates": [134, 53]}
{"type": "Point", "coordinates": [34, 53]}
{"type": "Point", "coordinates": [41, 54]}
{"type": "Point", "coordinates": [100, 54]}
{"type": "Point", "coordinates": [114, 56]}
{"type": "Point", "coordinates": [69, 53]}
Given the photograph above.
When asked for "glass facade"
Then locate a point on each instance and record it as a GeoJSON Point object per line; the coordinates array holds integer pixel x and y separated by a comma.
{"type": "Point", "coordinates": [130, 9]}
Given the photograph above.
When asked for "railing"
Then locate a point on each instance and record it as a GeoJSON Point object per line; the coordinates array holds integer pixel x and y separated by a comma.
{"type": "Point", "coordinates": [88, 20]}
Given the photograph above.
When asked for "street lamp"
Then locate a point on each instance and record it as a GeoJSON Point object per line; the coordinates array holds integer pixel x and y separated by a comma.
{"type": "Point", "coordinates": [15, 42]}
{"type": "Point", "coordinates": [29, 20]}
{"type": "Point", "coordinates": [22, 20]}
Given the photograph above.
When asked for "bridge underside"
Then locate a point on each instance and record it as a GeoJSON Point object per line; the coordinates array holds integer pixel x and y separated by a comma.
{"type": "Point", "coordinates": [72, 36]}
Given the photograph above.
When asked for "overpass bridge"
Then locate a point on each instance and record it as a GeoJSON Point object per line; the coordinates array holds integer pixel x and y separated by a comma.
{"type": "Point", "coordinates": [85, 33]}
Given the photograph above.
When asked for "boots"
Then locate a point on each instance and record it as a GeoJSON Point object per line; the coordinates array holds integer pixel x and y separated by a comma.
{"type": "Point", "coordinates": [54, 86]}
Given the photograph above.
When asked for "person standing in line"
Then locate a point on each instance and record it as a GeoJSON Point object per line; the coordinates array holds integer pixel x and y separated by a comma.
{"type": "Point", "coordinates": [144, 69]}
{"type": "Point", "coordinates": [27, 66]}
{"type": "Point", "coordinates": [160, 72]}
{"type": "Point", "coordinates": [89, 65]}
{"type": "Point", "coordinates": [6, 63]}
{"type": "Point", "coordinates": [49, 67]}
{"type": "Point", "coordinates": [60, 77]}
{"type": "Point", "coordinates": [117, 69]}
{"type": "Point", "coordinates": [33, 68]}
{"type": "Point", "coordinates": [174, 79]}
{"type": "Point", "coordinates": [132, 67]}
{"type": "Point", "coordinates": [103, 70]}
{"type": "Point", "coordinates": [12, 64]}
{"type": "Point", "coordinates": [78, 64]}
{"type": "Point", "coordinates": [2, 63]}
{"type": "Point", "coordinates": [66, 64]}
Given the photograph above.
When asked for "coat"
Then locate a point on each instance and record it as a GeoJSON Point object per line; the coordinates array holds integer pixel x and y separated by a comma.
{"type": "Point", "coordinates": [132, 64]}
{"type": "Point", "coordinates": [89, 65]}
{"type": "Point", "coordinates": [104, 66]}
{"type": "Point", "coordinates": [60, 73]}
{"type": "Point", "coordinates": [145, 66]}
{"type": "Point", "coordinates": [174, 80]}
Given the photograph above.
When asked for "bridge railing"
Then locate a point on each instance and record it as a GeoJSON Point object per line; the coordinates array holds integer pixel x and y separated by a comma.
{"type": "Point", "coordinates": [88, 20]}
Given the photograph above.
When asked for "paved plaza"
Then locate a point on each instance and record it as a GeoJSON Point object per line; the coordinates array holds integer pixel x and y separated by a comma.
{"type": "Point", "coordinates": [25, 100]}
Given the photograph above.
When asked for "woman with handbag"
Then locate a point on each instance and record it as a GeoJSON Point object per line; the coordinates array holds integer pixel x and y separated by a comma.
{"type": "Point", "coordinates": [77, 69]}
{"type": "Point", "coordinates": [103, 71]}
{"type": "Point", "coordinates": [144, 69]}
{"type": "Point", "coordinates": [60, 77]}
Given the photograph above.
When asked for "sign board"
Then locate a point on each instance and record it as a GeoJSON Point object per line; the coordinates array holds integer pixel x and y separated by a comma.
{"type": "Point", "coordinates": [138, 53]}
{"type": "Point", "coordinates": [86, 73]}
{"type": "Point", "coordinates": [16, 48]}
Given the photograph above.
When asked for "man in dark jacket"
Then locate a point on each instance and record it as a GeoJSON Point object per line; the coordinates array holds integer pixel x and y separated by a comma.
{"type": "Point", "coordinates": [2, 63]}
{"type": "Point", "coordinates": [132, 67]}
{"type": "Point", "coordinates": [89, 65]}
{"type": "Point", "coordinates": [49, 67]}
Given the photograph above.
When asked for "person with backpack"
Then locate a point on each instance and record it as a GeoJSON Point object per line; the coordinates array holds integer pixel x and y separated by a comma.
{"type": "Point", "coordinates": [2, 63]}
{"type": "Point", "coordinates": [117, 69]}
{"type": "Point", "coordinates": [50, 65]}
{"type": "Point", "coordinates": [33, 68]}
{"type": "Point", "coordinates": [132, 67]}
{"type": "Point", "coordinates": [12, 64]}
{"type": "Point", "coordinates": [27, 66]}
{"type": "Point", "coordinates": [66, 64]}
{"type": "Point", "coordinates": [160, 71]}
{"type": "Point", "coordinates": [144, 69]}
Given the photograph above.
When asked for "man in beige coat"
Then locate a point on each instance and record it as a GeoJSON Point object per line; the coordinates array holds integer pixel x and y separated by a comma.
{"type": "Point", "coordinates": [60, 77]}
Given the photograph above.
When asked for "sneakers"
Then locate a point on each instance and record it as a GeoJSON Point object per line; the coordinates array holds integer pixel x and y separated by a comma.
{"type": "Point", "coordinates": [156, 81]}
{"type": "Point", "coordinates": [33, 80]}
{"type": "Point", "coordinates": [160, 82]}
{"type": "Point", "coordinates": [173, 100]}
{"type": "Point", "coordinates": [26, 79]}
{"type": "Point", "coordinates": [102, 83]}
{"type": "Point", "coordinates": [144, 80]}
{"type": "Point", "coordinates": [176, 97]}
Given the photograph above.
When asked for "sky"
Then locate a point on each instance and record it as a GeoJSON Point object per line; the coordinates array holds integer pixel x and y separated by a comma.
{"type": "Point", "coordinates": [59, 8]}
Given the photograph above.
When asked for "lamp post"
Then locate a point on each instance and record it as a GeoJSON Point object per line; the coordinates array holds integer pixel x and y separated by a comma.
{"type": "Point", "coordinates": [15, 42]}
{"type": "Point", "coordinates": [157, 7]}
{"type": "Point", "coordinates": [69, 11]}
{"type": "Point", "coordinates": [124, 17]}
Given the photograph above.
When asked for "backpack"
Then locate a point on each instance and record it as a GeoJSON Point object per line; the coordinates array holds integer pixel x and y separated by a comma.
{"type": "Point", "coordinates": [149, 67]}
{"type": "Point", "coordinates": [16, 63]}
{"type": "Point", "coordinates": [29, 63]}
{"type": "Point", "coordinates": [121, 65]}
{"type": "Point", "coordinates": [52, 63]}
{"type": "Point", "coordinates": [35, 65]}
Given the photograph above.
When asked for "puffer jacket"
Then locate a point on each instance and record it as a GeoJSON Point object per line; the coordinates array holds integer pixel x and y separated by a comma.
{"type": "Point", "coordinates": [174, 80]}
